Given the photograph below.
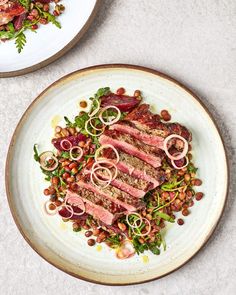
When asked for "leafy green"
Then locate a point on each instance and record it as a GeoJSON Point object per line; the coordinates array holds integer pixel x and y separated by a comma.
{"type": "Point", "coordinates": [169, 186]}
{"type": "Point", "coordinates": [114, 240]}
{"type": "Point", "coordinates": [11, 28]}
{"type": "Point", "coordinates": [25, 3]}
{"type": "Point", "coordinates": [50, 17]}
{"type": "Point", "coordinates": [153, 247]}
{"type": "Point", "coordinates": [164, 216]}
{"type": "Point", "coordinates": [139, 248]}
{"type": "Point", "coordinates": [192, 169]}
{"type": "Point", "coordinates": [6, 35]}
{"type": "Point", "coordinates": [68, 122]}
{"type": "Point", "coordinates": [36, 153]}
{"type": "Point", "coordinates": [65, 155]}
{"type": "Point", "coordinates": [20, 41]}
{"type": "Point", "coordinates": [81, 120]}
{"type": "Point", "coordinates": [101, 92]}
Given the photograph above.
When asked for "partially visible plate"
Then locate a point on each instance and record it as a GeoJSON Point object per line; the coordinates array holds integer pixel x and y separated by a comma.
{"type": "Point", "coordinates": [53, 239]}
{"type": "Point", "coordinates": [49, 43]}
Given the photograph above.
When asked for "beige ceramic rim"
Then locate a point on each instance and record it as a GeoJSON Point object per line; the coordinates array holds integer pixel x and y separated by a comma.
{"type": "Point", "coordinates": [21, 122]}
{"type": "Point", "coordinates": [60, 53]}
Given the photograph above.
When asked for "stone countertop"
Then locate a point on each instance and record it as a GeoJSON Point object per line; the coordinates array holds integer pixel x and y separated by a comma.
{"type": "Point", "coordinates": [194, 42]}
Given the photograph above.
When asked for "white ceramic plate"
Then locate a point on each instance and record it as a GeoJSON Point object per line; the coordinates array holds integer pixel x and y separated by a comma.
{"type": "Point", "coordinates": [54, 240]}
{"type": "Point", "coordinates": [49, 43]}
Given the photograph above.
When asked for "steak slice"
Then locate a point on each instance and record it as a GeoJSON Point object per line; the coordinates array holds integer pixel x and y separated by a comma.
{"type": "Point", "coordinates": [139, 169]}
{"type": "Point", "coordinates": [135, 167]}
{"type": "Point", "coordinates": [132, 146]}
{"type": "Point", "coordinates": [117, 196]}
{"type": "Point", "coordinates": [98, 206]}
{"type": "Point", "coordinates": [136, 187]}
{"type": "Point", "coordinates": [130, 128]}
{"type": "Point", "coordinates": [146, 121]}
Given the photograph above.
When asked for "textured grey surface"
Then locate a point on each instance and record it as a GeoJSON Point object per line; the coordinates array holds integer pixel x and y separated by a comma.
{"type": "Point", "coordinates": [194, 41]}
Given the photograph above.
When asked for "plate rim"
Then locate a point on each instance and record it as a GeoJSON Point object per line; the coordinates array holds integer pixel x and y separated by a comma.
{"type": "Point", "coordinates": [87, 69]}
{"type": "Point", "coordinates": [61, 52]}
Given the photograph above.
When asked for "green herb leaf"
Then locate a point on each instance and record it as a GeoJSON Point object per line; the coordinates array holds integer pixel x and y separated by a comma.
{"type": "Point", "coordinates": [50, 17]}
{"type": "Point", "coordinates": [20, 41]}
{"type": "Point", "coordinates": [68, 122]}
{"type": "Point", "coordinates": [171, 185]}
{"type": "Point", "coordinates": [6, 35]}
{"type": "Point", "coordinates": [65, 155]}
{"type": "Point", "coordinates": [101, 92]}
{"type": "Point", "coordinates": [164, 216]}
{"type": "Point", "coordinates": [36, 154]}
{"type": "Point", "coordinates": [11, 28]}
{"type": "Point", "coordinates": [114, 240]}
{"type": "Point", "coordinates": [192, 169]}
{"type": "Point", "coordinates": [25, 3]}
{"type": "Point", "coordinates": [139, 248]}
{"type": "Point", "coordinates": [81, 120]}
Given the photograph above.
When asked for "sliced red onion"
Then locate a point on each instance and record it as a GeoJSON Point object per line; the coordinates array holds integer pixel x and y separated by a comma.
{"type": "Point", "coordinates": [180, 167]}
{"type": "Point", "coordinates": [94, 112]}
{"type": "Point", "coordinates": [100, 164]}
{"type": "Point", "coordinates": [44, 157]}
{"type": "Point", "coordinates": [114, 120]}
{"type": "Point", "coordinates": [93, 175]}
{"type": "Point", "coordinates": [79, 156]}
{"type": "Point", "coordinates": [95, 128]}
{"type": "Point", "coordinates": [106, 146]}
{"type": "Point", "coordinates": [66, 144]}
{"type": "Point", "coordinates": [69, 209]}
{"type": "Point", "coordinates": [134, 225]}
{"type": "Point", "coordinates": [76, 201]}
{"type": "Point", "coordinates": [181, 154]}
{"type": "Point", "coordinates": [48, 211]}
{"type": "Point", "coordinates": [146, 233]}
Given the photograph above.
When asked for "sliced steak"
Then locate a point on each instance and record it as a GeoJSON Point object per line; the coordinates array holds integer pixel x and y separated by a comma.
{"type": "Point", "coordinates": [132, 146]}
{"type": "Point", "coordinates": [135, 167]}
{"type": "Point", "coordinates": [150, 123]}
{"type": "Point", "coordinates": [130, 128]}
{"type": "Point", "coordinates": [98, 206]}
{"type": "Point", "coordinates": [136, 187]}
{"type": "Point", "coordinates": [115, 195]}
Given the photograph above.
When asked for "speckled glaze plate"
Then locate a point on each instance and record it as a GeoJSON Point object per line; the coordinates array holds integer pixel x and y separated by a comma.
{"type": "Point", "coordinates": [49, 43]}
{"type": "Point", "coordinates": [54, 240]}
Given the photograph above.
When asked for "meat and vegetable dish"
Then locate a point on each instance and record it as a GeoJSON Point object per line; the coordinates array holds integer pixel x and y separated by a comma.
{"type": "Point", "coordinates": [18, 16]}
{"type": "Point", "coordinates": [120, 173]}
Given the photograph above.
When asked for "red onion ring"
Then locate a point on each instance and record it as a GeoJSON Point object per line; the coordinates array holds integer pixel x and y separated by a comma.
{"type": "Point", "coordinates": [111, 122]}
{"type": "Point", "coordinates": [106, 146]}
{"type": "Point", "coordinates": [78, 157]}
{"type": "Point", "coordinates": [63, 142]}
{"type": "Point", "coordinates": [181, 154]}
{"type": "Point", "coordinates": [76, 201]}
{"type": "Point", "coordinates": [180, 167]}
{"type": "Point", "coordinates": [48, 211]}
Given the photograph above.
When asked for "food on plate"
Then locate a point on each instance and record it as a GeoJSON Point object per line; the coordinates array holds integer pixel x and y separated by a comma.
{"type": "Point", "coordinates": [120, 173]}
{"type": "Point", "coordinates": [18, 16]}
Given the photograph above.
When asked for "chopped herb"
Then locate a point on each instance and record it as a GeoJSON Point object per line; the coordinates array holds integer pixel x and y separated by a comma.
{"type": "Point", "coordinates": [170, 185]}
{"type": "Point", "coordinates": [101, 92]}
{"type": "Point", "coordinates": [20, 41]}
{"type": "Point", "coordinates": [68, 122]}
{"type": "Point", "coordinates": [164, 216]}
{"type": "Point", "coordinates": [36, 154]}
{"type": "Point", "coordinates": [81, 120]}
{"type": "Point", "coordinates": [65, 155]}
{"type": "Point", "coordinates": [114, 240]}
{"type": "Point", "coordinates": [25, 3]}
{"type": "Point", "coordinates": [192, 169]}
